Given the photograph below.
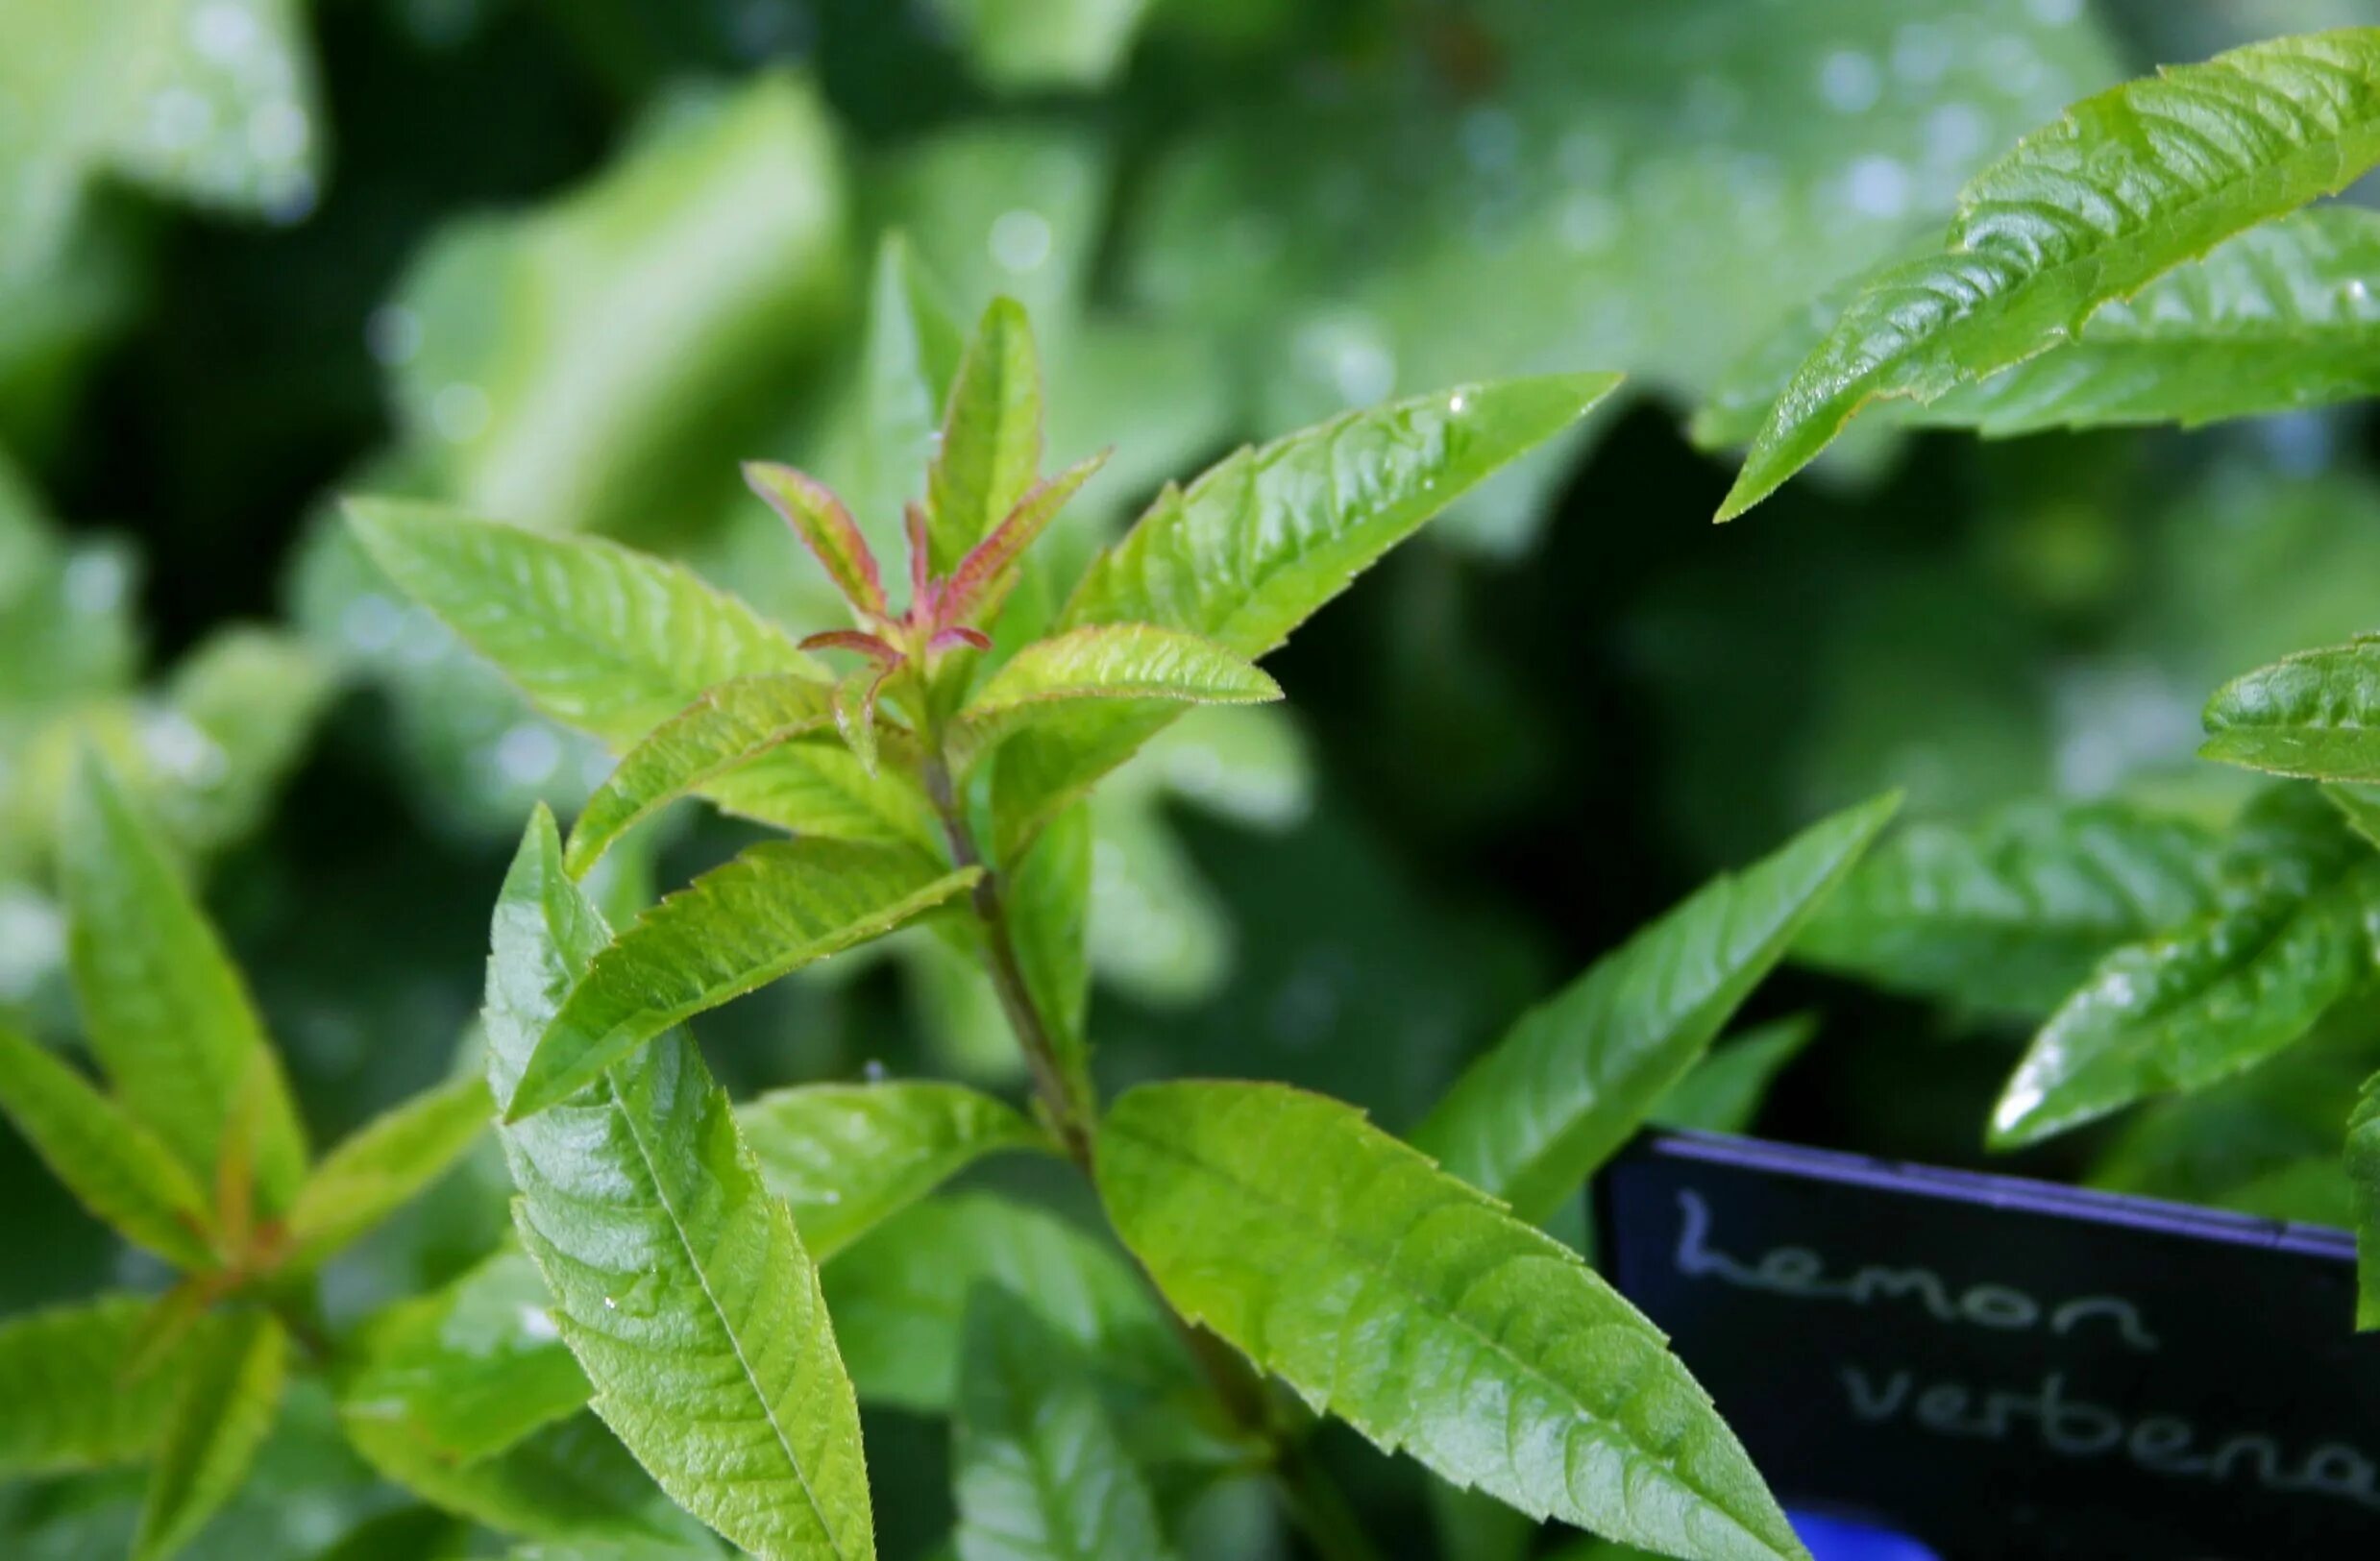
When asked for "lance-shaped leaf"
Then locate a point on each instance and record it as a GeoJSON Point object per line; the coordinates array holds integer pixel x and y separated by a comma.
{"type": "Point", "coordinates": [615, 642]}
{"type": "Point", "coordinates": [1723, 1091]}
{"type": "Point", "coordinates": [2008, 913]}
{"type": "Point", "coordinates": [1116, 662]}
{"type": "Point", "coordinates": [1048, 904]}
{"type": "Point", "coordinates": [468, 1369]}
{"type": "Point", "coordinates": [729, 726]}
{"type": "Point", "coordinates": [906, 369]}
{"type": "Point", "coordinates": [825, 528]}
{"type": "Point", "coordinates": [991, 436]}
{"type": "Point", "coordinates": [676, 1279]}
{"type": "Point", "coordinates": [1038, 1471]}
{"type": "Point", "coordinates": [162, 1006]}
{"type": "Point", "coordinates": [383, 1165]}
{"type": "Point", "coordinates": [72, 1404]}
{"type": "Point", "coordinates": [1261, 542]}
{"type": "Point", "coordinates": [2127, 186]}
{"type": "Point", "coordinates": [766, 913]}
{"type": "Point", "coordinates": [1532, 1118]}
{"type": "Point", "coordinates": [120, 1170]}
{"type": "Point", "coordinates": [603, 638]}
{"type": "Point", "coordinates": [899, 1297]}
{"type": "Point", "coordinates": [2364, 1171]}
{"type": "Point", "coordinates": [2219, 993]}
{"type": "Point", "coordinates": [1421, 1312]}
{"type": "Point", "coordinates": [2360, 805]}
{"type": "Point", "coordinates": [847, 1156]}
{"type": "Point", "coordinates": [975, 586]}
{"type": "Point", "coordinates": [226, 1406]}
{"type": "Point", "coordinates": [2314, 713]}
{"type": "Point", "coordinates": [2281, 317]}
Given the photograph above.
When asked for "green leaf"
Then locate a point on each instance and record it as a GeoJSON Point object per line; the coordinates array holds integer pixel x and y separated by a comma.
{"type": "Point", "coordinates": [1047, 681]}
{"type": "Point", "coordinates": [1050, 912]}
{"type": "Point", "coordinates": [991, 436]}
{"type": "Point", "coordinates": [1265, 539]}
{"type": "Point", "coordinates": [2127, 186]}
{"type": "Point", "coordinates": [468, 1398]}
{"type": "Point", "coordinates": [1021, 46]}
{"type": "Point", "coordinates": [1039, 1470]}
{"type": "Point", "coordinates": [676, 1279]}
{"type": "Point", "coordinates": [163, 1007]}
{"type": "Point", "coordinates": [906, 369]}
{"type": "Point", "coordinates": [608, 639]}
{"type": "Point", "coordinates": [901, 1296]}
{"type": "Point", "coordinates": [383, 1165]}
{"type": "Point", "coordinates": [1337, 1257]}
{"type": "Point", "coordinates": [120, 1170]}
{"type": "Point", "coordinates": [220, 1418]}
{"type": "Point", "coordinates": [1723, 1093]}
{"type": "Point", "coordinates": [2008, 913]}
{"type": "Point", "coordinates": [2314, 713]}
{"type": "Point", "coordinates": [616, 643]}
{"type": "Point", "coordinates": [583, 362]}
{"type": "Point", "coordinates": [1532, 1118]}
{"type": "Point", "coordinates": [72, 1403]}
{"type": "Point", "coordinates": [2364, 1170]}
{"type": "Point", "coordinates": [730, 726]}
{"type": "Point", "coordinates": [847, 1157]}
{"type": "Point", "coordinates": [469, 1369]}
{"type": "Point", "coordinates": [825, 528]}
{"type": "Point", "coordinates": [2218, 993]}
{"type": "Point", "coordinates": [767, 913]}
{"type": "Point", "coordinates": [2277, 319]}
{"type": "Point", "coordinates": [2360, 805]}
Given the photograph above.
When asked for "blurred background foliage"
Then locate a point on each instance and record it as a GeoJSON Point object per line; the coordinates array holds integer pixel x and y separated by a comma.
{"type": "Point", "coordinates": [565, 261]}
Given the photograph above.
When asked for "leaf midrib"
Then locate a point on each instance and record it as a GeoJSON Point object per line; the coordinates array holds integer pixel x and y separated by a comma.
{"type": "Point", "coordinates": [1655, 1461]}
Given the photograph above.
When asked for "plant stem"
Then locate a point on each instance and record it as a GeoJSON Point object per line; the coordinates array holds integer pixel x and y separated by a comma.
{"type": "Point", "coordinates": [1314, 1501]}
{"type": "Point", "coordinates": [1070, 1116]}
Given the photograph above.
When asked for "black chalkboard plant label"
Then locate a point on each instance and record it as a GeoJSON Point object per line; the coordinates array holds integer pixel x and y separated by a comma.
{"type": "Point", "coordinates": [2002, 1368]}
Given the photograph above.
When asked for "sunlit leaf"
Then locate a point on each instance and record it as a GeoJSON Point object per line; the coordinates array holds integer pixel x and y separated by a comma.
{"type": "Point", "coordinates": [1420, 1311]}
{"type": "Point", "coordinates": [120, 1170]}
{"type": "Point", "coordinates": [1045, 683]}
{"type": "Point", "coordinates": [1037, 1469]}
{"type": "Point", "coordinates": [729, 726]}
{"type": "Point", "coordinates": [2008, 913]}
{"type": "Point", "coordinates": [1532, 1118]}
{"type": "Point", "coordinates": [383, 1165]}
{"type": "Point", "coordinates": [225, 1409]}
{"type": "Point", "coordinates": [825, 528]}
{"type": "Point", "coordinates": [606, 639]}
{"type": "Point", "coordinates": [2277, 319]}
{"type": "Point", "coordinates": [2314, 713]}
{"type": "Point", "coordinates": [990, 449]}
{"type": "Point", "coordinates": [2127, 186]}
{"type": "Point", "coordinates": [845, 1158]}
{"type": "Point", "coordinates": [676, 1279]}
{"type": "Point", "coordinates": [163, 1009]}
{"type": "Point", "coordinates": [766, 913]}
{"type": "Point", "coordinates": [2289, 939]}
{"type": "Point", "coordinates": [1263, 540]}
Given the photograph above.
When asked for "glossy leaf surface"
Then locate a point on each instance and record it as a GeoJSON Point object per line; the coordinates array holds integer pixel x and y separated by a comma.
{"type": "Point", "coordinates": [1532, 1118]}
{"type": "Point", "coordinates": [2314, 713]}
